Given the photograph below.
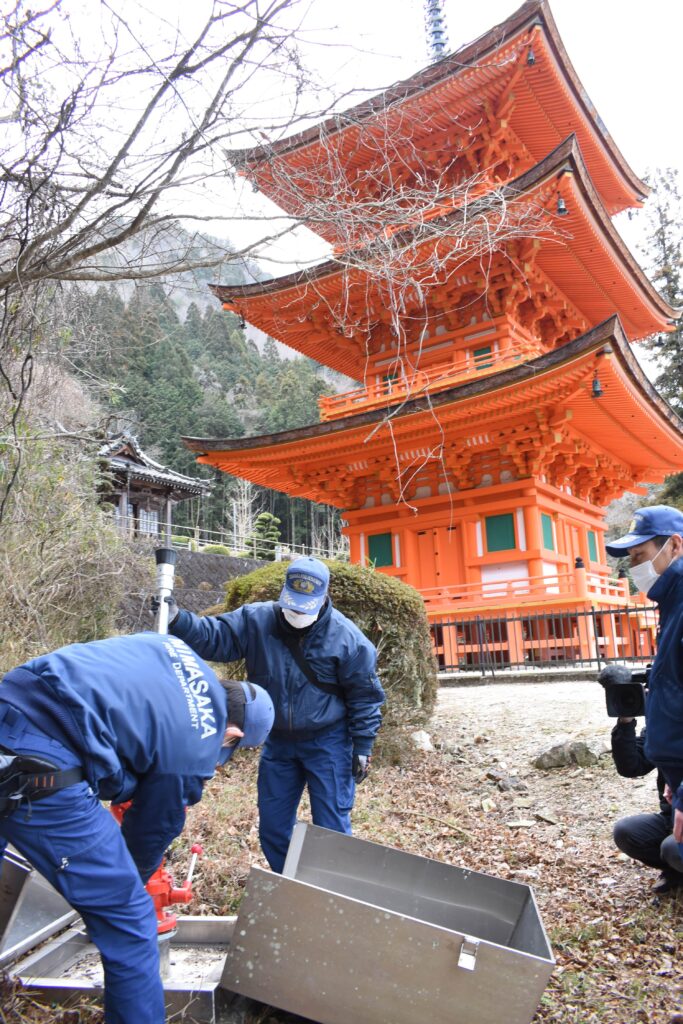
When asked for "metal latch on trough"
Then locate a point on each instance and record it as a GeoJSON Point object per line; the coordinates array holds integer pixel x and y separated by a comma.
{"type": "Point", "coordinates": [468, 953]}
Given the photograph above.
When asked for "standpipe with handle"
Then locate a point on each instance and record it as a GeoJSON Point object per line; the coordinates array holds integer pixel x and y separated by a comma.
{"type": "Point", "coordinates": [160, 885]}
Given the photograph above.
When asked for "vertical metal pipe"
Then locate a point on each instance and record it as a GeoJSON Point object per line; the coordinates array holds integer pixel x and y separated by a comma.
{"type": "Point", "coordinates": [166, 560]}
{"type": "Point", "coordinates": [168, 524]}
{"type": "Point", "coordinates": [596, 634]}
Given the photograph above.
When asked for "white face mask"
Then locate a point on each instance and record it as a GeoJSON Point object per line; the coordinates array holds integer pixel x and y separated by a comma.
{"type": "Point", "coordinates": [645, 575]}
{"type": "Point", "coordinates": [298, 621]}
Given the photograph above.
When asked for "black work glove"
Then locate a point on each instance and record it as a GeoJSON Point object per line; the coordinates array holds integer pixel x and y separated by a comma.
{"type": "Point", "coordinates": [173, 610]}
{"type": "Point", "coordinates": [360, 766]}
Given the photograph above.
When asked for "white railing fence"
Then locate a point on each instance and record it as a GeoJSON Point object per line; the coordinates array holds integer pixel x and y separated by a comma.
{"type": "Point", "coordinates": [246, 546]}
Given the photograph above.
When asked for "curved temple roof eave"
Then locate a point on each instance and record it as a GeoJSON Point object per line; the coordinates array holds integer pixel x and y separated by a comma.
{"type": "Point", "coordinates": [606, 336]}
{"type": "Point", "coordinates": [564, 159]}
{"type": "Point", "coordinates": [530, 14]}
{"type": "Point", "coordinates": [569, 153]}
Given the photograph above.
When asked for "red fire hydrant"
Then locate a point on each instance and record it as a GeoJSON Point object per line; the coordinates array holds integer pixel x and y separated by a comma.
{"type": "Point", "coordinates": [164, 892]}
{"type": "Point", "coordinates": [161, 886]}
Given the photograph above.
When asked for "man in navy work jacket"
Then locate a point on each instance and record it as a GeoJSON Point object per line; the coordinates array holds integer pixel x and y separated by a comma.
{"type": "Point", "coordinates": [320, 671]}
{"type": "Point", "coordinates": [138, 718]}
{"type": "Point", "coordinates": [655, 545]}
{"type": "Point", "coordinates": [645, 837]}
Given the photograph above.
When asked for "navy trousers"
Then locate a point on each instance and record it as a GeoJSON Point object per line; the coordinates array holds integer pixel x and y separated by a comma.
{"type": "Point", "coordinates": [648, 838]}
{"type": "Point", "coordinates": [323, 764]}
{"type": "Point", "coordinates": [71, 839]}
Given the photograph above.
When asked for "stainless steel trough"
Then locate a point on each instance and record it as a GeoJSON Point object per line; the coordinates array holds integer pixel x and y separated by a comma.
{"type": "Point", "coordinates": [43, 943]}
{"type": "Point", "coordinates": [30, 909]}
{"type": "Point", "coordinates": [68, 966]}
{"type": "Point", "coordinates": [354, 931]}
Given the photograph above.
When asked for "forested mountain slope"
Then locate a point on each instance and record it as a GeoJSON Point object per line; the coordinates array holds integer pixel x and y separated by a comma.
{"type": "Point", "coordinates": [162, 373]}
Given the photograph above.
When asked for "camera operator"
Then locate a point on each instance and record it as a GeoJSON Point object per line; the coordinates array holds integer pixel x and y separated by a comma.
{"type": "Point", "coordinates": [645, 837]}
{"type": "Point", "coordinates": [655, 545]}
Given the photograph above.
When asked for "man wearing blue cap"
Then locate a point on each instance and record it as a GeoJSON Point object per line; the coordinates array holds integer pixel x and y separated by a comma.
{"type": "Point", "coordinates": [654, 544]}
{"type": "Point", "coordinates": [321, 672]}
{"type": "Point", "coordinates": [137, 718]}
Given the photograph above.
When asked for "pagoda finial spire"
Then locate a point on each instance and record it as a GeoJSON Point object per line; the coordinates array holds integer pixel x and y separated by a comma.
{"type": "Point", "coordinates": [435, 23]}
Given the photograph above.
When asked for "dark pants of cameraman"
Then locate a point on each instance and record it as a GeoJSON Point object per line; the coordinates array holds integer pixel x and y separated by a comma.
{"type": "Point", "coordinates": [648, 839]}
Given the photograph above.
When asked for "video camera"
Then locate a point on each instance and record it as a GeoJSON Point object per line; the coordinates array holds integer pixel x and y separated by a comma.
{"type": "Point", "coordinates": [625, 690]}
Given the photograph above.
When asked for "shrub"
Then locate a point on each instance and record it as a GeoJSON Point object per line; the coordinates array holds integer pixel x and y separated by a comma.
{"type": "Point", "coordinates": [392, 615]}
{"type": "Point", "coordinates": [216, 549]}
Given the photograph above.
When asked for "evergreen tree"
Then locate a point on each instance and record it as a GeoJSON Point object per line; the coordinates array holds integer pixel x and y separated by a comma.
{"type": "Point", "coordinates": [266, 534]}
{"type": "Point", "coordinates": [289, 396]}
{"type": "Point", "coordinates": [217, 417]}
{"type": "Point", "coordinates": [226, 358]}
{"type": "Point", "coordinates": [158, 379]}
{"type": "Point", "coordinates": [665, 256]}
{"type": "Point", "coordinates": [672, 492]}
{"type": "Point", "coordinates": [194, 332]}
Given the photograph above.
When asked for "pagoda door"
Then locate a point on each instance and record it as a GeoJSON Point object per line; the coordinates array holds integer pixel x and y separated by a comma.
{"type": "Point", "coordinates": [439, 558]}
{"type": "Point", "coordinates": [426, 559]}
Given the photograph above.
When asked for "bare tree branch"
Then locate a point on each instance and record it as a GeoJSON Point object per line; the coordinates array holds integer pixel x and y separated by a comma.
{"type": "Point", "coordinates": [98, 142]}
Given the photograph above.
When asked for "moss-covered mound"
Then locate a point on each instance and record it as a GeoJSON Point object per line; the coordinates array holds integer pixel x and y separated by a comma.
{"type": "Point", "coordinates": [392, 616]}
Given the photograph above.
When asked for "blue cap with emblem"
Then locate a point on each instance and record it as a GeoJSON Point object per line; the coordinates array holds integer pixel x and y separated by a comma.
{"type": "Point", "coordinates": [649, 522]}
{"type": "Point", "coordinates": [306, 583]}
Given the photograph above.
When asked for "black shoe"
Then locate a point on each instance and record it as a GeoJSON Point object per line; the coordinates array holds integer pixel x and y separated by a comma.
{"type": "Point", "coordinates": [667, 883]}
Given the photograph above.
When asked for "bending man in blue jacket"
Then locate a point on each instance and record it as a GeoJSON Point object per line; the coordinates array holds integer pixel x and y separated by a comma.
{"type": "Point", "coordinates": [655, 547]}
{"type": "Point", "coordinates": [321, 673]}
{"type": "Point", "coordinates": [138, 718]}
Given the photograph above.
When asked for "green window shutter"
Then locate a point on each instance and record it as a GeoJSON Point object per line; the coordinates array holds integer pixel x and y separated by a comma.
{"type": "Point", "coordinates": [485, 351]}
{"type": "Point", "coordinates": [547, 527]}
{"type": "Point", "coordinates": [592, 546]}
{"type": "Point", "coordinates": [379, 550]}
{"type": "Point", "coordinates": [500, 532]}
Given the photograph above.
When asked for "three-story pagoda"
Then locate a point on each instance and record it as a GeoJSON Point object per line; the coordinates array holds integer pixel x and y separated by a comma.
{"type": "Point", "coordinates": [499, 407]}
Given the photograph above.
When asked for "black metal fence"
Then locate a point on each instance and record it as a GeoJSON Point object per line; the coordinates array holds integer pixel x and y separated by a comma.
{"type": "Point", "coordinates": [546, 640]}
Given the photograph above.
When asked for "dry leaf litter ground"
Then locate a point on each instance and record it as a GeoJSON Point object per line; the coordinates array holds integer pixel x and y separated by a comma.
{"type": "Point", "coordinates": [618, 950]}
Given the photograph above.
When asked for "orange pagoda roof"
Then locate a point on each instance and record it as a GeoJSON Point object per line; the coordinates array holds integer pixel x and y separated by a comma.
{"type": "Point", "coordinates": [542, 414]}
{"type": "Point", "coordinates": [580, 258]}
{"type": "Point", "coordinates": [513, 89]}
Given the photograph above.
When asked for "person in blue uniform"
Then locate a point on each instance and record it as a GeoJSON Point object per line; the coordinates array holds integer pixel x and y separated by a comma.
{"type": "Point", "coordinates": [654, 544]}
{"type": "Point", "coordinates": [137, 718]}
{"type": "Point", "coordinates": [321, 672]}
{"type": "Point", "coordinates": [645, 837]}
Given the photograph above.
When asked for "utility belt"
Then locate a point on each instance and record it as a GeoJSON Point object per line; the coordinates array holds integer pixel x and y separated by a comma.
{"type": "Point", "coordinates": [27, 778]}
